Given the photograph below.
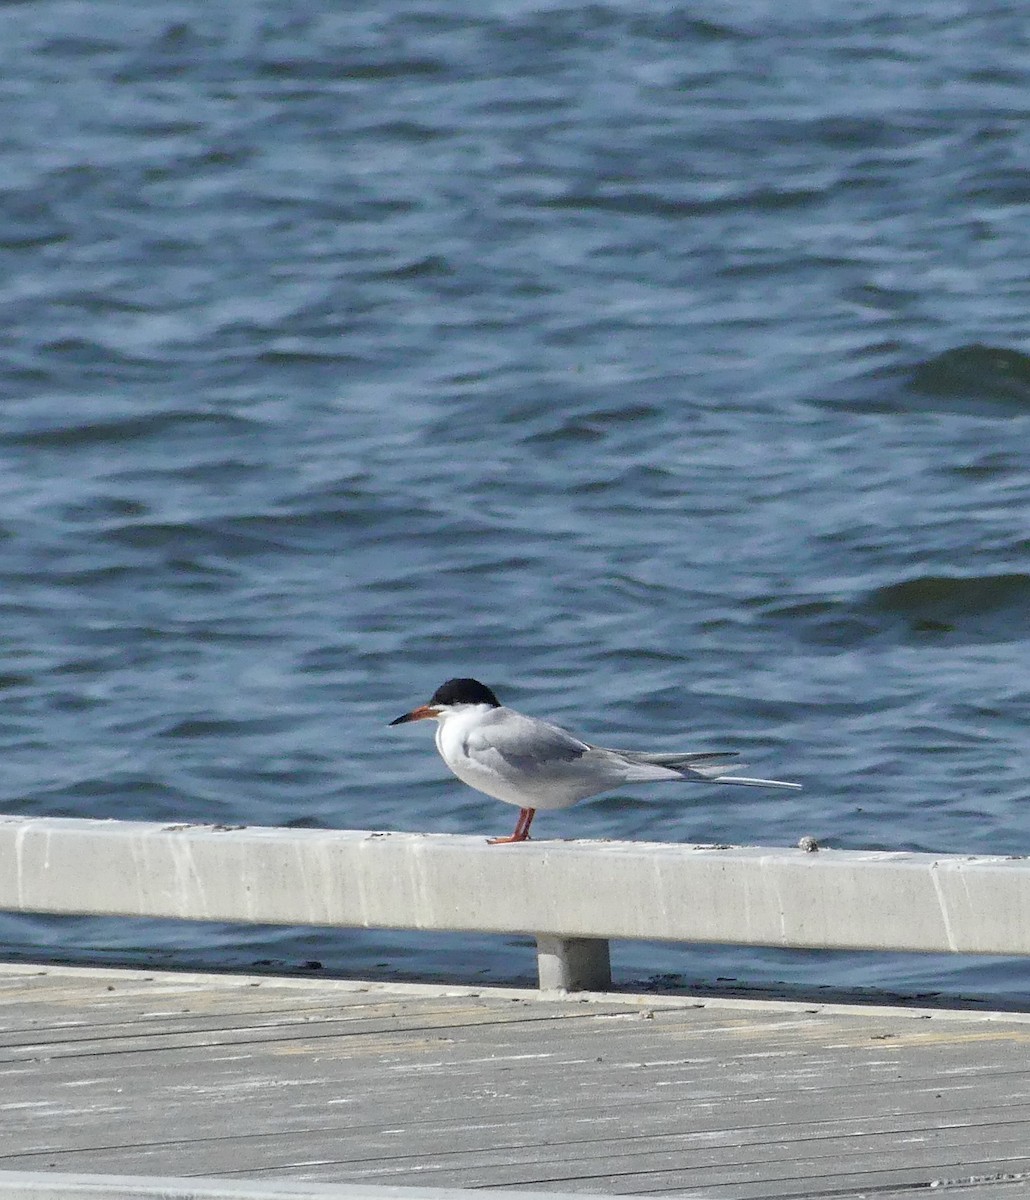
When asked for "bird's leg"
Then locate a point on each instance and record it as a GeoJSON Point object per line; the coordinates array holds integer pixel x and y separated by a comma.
{"type": "Point", "coordinates": [526, 816]}
{"type": "Point", "coordinates": [521, 833]}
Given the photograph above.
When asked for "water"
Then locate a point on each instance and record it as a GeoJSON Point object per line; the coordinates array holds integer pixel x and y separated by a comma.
{"type": "Point", "coordinates": [670, 374]}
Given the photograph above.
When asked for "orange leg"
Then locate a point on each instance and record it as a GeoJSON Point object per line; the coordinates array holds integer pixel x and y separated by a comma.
{"type": "Point", "coordinates": [521, 833]}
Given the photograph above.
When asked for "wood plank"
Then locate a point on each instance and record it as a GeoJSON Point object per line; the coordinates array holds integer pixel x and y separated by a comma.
{"type": "Point", "coordinates": [313, 1080]}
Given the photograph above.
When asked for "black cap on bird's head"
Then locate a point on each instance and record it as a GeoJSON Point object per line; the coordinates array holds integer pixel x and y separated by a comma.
{"type": "Point", "coordinates": [464, 691]}
{"type": "Point", "coordinates": [454, 691]}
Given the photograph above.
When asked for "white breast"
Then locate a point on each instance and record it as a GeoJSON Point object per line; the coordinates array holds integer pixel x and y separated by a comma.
{"type": "Point", "coordinates": [452, 737]}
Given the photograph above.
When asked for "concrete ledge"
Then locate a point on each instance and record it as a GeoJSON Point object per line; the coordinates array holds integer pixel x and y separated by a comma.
{"type": "Point", "coordinates": [858, 900]}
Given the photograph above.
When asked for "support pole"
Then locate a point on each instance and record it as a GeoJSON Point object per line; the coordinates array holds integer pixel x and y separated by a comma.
{"type": "Point", "coordinates": [573, 964]}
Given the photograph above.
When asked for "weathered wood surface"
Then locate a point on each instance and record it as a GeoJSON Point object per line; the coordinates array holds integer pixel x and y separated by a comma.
{"type": "Point", "coordinates": [125, 1073]}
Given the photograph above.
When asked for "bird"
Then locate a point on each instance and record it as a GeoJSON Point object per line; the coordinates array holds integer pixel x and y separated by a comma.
{"type": "Point", "coordinates": [533, 764]}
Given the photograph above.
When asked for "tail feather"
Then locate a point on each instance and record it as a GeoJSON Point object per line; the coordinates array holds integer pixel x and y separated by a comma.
{"type": "Point", "coordinates": [776, 783]}
{"type": "Point", "coordinates": [705, 766]}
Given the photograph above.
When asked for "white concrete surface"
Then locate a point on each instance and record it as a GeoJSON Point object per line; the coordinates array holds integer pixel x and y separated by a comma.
{"type": "Point", "coordinates": [566, 890]}
{"type": "Point", "coordinates": [573, 964]}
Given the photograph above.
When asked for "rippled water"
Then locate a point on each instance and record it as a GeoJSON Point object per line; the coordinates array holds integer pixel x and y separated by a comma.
{"type": "Point", "coordinates": [670, 374]}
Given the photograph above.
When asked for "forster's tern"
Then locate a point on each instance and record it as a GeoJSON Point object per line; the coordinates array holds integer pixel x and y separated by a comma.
{"type": "Point", "coordinates": [533, 764]}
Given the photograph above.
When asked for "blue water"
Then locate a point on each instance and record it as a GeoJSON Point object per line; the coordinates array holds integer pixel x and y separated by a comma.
{"type": "Point", "coordinates": [668, 372]}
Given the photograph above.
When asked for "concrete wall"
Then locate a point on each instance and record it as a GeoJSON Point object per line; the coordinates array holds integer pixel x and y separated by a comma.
{"type": "Point", "coordinates": [564, 890]}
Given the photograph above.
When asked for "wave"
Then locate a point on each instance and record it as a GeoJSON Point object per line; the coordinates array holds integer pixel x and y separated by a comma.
{"type": "Point", "coordinates": [963, 608]}
{"type": "Point", "coordinates": [992, 606]}
{"type": "Point", "coordinates": [974, 375]}
{"type": "Point", "coordinates": [70, 432]}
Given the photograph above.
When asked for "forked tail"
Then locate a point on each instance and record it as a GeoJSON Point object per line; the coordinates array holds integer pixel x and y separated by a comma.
{"type": "Point", "coordinates": [707, 765]}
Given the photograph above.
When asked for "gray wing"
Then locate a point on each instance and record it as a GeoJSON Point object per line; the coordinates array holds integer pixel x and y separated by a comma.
{"type": "Point", "coordinates": [527, 744]}
{"type": "Point", "coordinates": [707, 766]}
{"type": "Point", "coordinates": [676, 760]}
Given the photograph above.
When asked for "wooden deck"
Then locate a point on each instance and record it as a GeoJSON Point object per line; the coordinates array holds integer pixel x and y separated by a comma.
{"type": "Point", "coordinates": [133, 1073]}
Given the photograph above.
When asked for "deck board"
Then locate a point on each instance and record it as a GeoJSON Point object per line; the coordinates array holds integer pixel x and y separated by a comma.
{"type": "Point", "coordinates": [120, 1073]}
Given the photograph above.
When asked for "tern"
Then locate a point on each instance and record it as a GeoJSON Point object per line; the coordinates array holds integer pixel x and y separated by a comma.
{"type": "Point", "coordinates": [533, 764]}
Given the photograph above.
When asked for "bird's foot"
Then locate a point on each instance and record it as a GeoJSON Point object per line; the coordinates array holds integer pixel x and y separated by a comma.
{"type": "Point", "coordinates": [521, 833]}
